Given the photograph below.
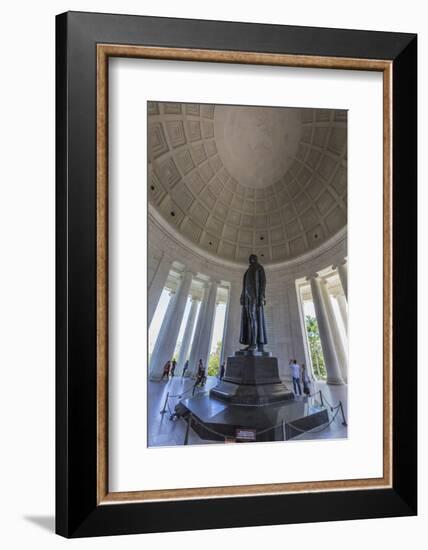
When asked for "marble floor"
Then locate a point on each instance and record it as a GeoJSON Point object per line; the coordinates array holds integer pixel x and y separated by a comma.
{"type": "Point", "coordinates": [165, 432]}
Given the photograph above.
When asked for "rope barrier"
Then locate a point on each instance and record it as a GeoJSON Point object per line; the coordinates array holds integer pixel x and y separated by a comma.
{"type": "Point", "coordinates": [313, 395]}
{"type": "Point", "coordinates": [171, 414]}
{"type": "Point", "coordinates": [180, 395]}
{"type": "Point", "coordinates": [163, 411]}
{"type": "Point", "coordinates": [282, 424]}
{"type": "Point", "coordinates": [186, 437]}
{"type": "Point", "coordinates": [206, 427]}
{"type": "Point", "coordinates": [314, 431]}
{"type": "Point", "coordinates": [338, 406]}
{"type": "Point", "coordinates": [329, 404]}
{"type": "Point", "coordinates": [344, 423]}
{"type": "Point", "coordinates": [260, 432]}
{"type": "Point", "coordinates": [167, 408]}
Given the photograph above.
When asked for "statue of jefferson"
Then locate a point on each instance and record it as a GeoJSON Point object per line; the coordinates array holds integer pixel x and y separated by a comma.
{"type": "Point", "coordinates": [253, 328]}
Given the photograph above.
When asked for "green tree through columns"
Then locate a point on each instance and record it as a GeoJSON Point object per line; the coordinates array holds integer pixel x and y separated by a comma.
{"type": "Point", "coordinates": [315, 348]}
{"type": "Point", "coordinates": [214, 360]}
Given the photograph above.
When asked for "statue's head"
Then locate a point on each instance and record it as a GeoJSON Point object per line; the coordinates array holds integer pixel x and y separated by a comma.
{"type": "Point", "coordinates": [252, 259]}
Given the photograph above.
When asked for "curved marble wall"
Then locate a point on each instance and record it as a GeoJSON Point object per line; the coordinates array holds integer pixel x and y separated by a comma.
{"type": "Point", "coordinates": [286, 338]}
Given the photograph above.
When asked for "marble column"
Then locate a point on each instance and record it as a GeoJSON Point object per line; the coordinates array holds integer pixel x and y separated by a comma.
{"type": "Point", "coordinates": [296, 334]}
{"type": "Point", "coordinates": [194, 351]}
{"type": "Point", "coordinates": [233, 321]}
{"type": "Point", "coordinates": [188, 331]}
{"type": "Point", "coordinates": [223, 334]}
{"type": "Point", "coordinates": [333, 369]}
{"type": "Point", "coordinates": [156, 286]}
{"type": "Point", "coordinates": [164, 326]}
{"type": "Point", "coordinates": [208, 325]}
{"type": "Point", "coordinates": [339, 348]}
{"type": "Point", "coordinates": [342, 270]}
{"type": "Point", "coordinates": [341, 302]}
{"type": "Point", "coordinates": [167, 339]}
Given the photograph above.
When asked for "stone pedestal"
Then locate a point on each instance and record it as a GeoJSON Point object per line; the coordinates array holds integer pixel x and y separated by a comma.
{"type": "Point", "coordinates": [215, 420]}
{"type": "Point", "coordinates": [252, 378]}
{"type": "Point", "coordinates": [252, 397]}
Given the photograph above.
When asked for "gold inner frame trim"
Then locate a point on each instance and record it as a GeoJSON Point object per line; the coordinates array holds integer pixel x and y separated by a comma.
{"type": "Point", "coordinates": [104, 51]}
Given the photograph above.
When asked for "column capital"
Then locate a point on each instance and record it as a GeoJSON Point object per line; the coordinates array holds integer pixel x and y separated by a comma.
{"type": "Point", "coordinates": [210, 284]}
{"type": "Point", "coordinates": [340, 263]}
{"type": "Point", "coordinates": [312, 276]}
{"type": "Point", "coordinates": [342, 270]}
{"type": "Point", "coordinates": [187, 273]}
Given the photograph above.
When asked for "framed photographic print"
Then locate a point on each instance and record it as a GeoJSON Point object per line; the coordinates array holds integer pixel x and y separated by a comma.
{"type": "Point", "coordinates": [236, 263]}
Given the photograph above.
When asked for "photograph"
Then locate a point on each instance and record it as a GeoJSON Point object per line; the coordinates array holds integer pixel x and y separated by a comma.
{"type": "Point", "coordinates": [247, 268]}
{"type": "Point", "coordinates": [213, 229]}
{"type": "Point", "coordinates": [236, 263]}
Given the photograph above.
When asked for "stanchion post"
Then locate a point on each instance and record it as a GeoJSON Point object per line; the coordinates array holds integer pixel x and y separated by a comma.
{"type": "Point", "coordinates": [321, 399]}
{"type": "Point", "coordinates": [163, 411]}
{"type": "Point", "coordinates": [283, 430]}
{"type": "Point", "coordinates": [344, 423]}
{"type": "Point", "coordinates": [186, 437]}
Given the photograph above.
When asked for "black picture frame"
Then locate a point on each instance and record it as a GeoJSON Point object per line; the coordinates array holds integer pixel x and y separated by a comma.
{"type": "Point", "coordinates": [77, 512]}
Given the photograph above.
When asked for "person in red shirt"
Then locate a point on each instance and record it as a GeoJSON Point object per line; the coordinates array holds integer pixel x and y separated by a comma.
{"type": "Point", "coordinates": [166, 370]}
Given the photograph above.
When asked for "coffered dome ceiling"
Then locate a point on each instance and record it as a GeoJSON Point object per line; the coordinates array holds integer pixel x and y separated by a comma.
{"type": "Point", "coordinates": [241, 180]}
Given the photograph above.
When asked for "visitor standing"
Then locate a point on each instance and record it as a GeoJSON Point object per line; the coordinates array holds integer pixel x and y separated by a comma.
{"type": "Point", "coordinates": [173, 366]}
{"type": "Point", "coordinates": [222, 369]}
{"type": "Point", "coordinates": [203, 376]}
{"type": "Point", "coordinates": [166, 370]}
{"type": "Point", "coordinates": [295, 373]}
{"type": "Point", "coordinates": [199, 375]}
{"type": "Point", "coordinates": [186, 366]}
{"type": "Point", "coordinates": [306, 380]}
{"type": "Point", "coordinates": [200, 369]}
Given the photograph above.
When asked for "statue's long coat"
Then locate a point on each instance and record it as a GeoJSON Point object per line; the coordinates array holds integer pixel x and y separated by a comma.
{"type": "Point", "coordinates": [253, 327]}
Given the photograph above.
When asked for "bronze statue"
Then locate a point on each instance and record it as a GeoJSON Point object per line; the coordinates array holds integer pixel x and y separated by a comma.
{"type": "Point", "coordinates": [253, 328]}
